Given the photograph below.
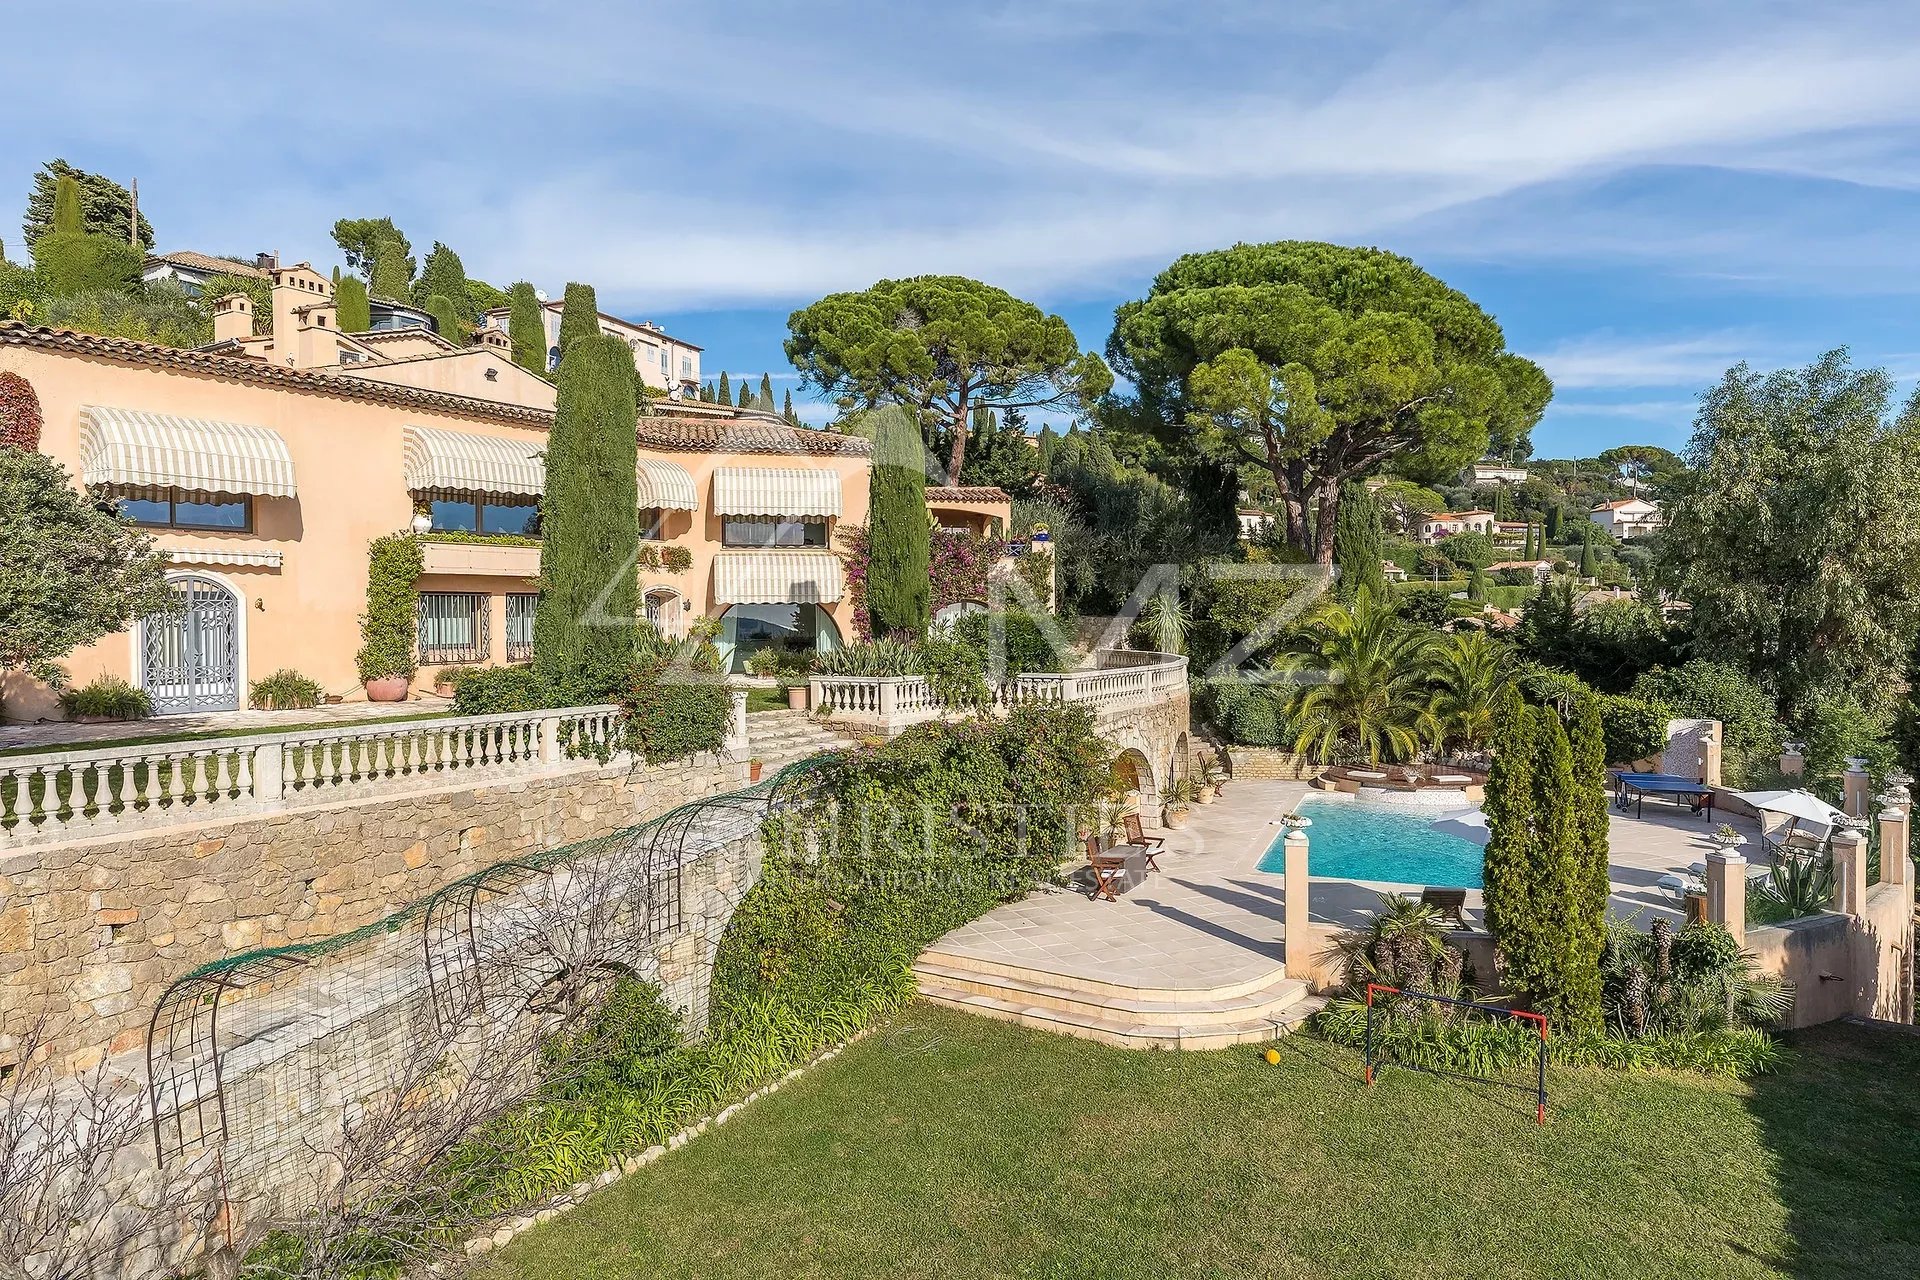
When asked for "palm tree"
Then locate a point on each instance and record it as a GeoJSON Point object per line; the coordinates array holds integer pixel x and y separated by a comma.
{"type": "Point", "coordinates": [1368, 694]}
{"type": "Point", "coordinates": [1468, 669]}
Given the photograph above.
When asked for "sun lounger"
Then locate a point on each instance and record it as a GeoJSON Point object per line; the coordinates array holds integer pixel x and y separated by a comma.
{"type": "Point", "coordinates": [1448, 904]}
{"type": "Point", "coordinates": [1450, 780]}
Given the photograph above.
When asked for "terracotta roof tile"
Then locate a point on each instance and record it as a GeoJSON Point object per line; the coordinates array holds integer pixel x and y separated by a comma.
{"type": "Point", "coordinates": [746, 435]}
{"type": "Point", "coordinates": [207, 262]}
{"type": "Point", "coordinates": [261, 373]}
{"type": "Point", "coordinates": [967, 493]}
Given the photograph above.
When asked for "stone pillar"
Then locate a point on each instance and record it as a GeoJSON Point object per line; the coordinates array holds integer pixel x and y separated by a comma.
{"type": "Point", "coordinates": [1855, 785]}
{"type": "Point", "coordinates": [1727, 891]}
{"type": "Point", "coordinates": [1793, 764]}
{"type": "Point", "coordinates": [269, 773]}
{"type": "Point", "coordinates": [1896, 865]}
{"type": "Point", "coordinates": [1849, 871]}
{"type": "Point", "coordinates": [550, 740]}
{"type": "Point", "coordinates": [1299, 947]}
{"type": "Point", "coordinates": [736, 721]}
{"type": "Point", "coordinates": [1710, 755]}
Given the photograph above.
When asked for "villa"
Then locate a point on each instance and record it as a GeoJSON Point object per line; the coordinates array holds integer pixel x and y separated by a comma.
{"type": "Point", "coordinates": [1542, 569]}
{"type": "Point", "coordinates": [265, 463]}
{"type": "Point", "coordinates": [665, 363]}
{"type": "Point", "coordinates": [1432, 528]}
{"type": "Point", "coordinates": [1493, 471]}
{"type": "Point", "coordinates": [1629, 517]}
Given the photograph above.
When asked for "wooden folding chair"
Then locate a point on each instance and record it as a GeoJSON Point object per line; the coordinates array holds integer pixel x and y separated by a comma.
{"type": "Point", "coordinates": [1150, 845]}
{"type": "Point", "coordinates": [1107, 869]}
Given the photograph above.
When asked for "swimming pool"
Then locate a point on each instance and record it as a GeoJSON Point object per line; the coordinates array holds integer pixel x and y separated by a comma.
{"type": "Point", "coordinates": [1352, 841]}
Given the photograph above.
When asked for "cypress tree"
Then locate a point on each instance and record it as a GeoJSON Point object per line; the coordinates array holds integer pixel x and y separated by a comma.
{"type": "Point", "coordinates": [1359, 544]}
{"type": "Point", "coordinates": [447, 319]}
{"type": "Point", "coordinates": [583, 631]}
{"type": "Point", "coordinates": [1552, 526]}
{"type": "Point", "coordinates": [899, 586]}
{"type": "Point", "coordinates": [350, 300]}
{"type": "Point", "coordinates": [1506, 869]}
{"type": "Point", "coordinates": [1588, 745]}
{"type": "Point", "coordinates": [579, 316]}
{"type": "Point", "coordinates": [787, 411]}
{"type": "Point", "coordinates": [444, 276]}
{"type": "Point", "coordinates": [1565, 983]}
{"type": "Point", "coordinates": [1589, 560]}
{"type": "Point", "coordinates": [66, 205]}
{"type": "Point", "coordinates": [766, 393]}
{"type": "Point", "coordinates": [392, 277]}
{"type": "Point", "coordinates": [1477, 584]}
{"type": "Point", "coordinates": [725, 394]}
{"type": "Point", "coordinates": [527, 327]}
{"type": "Point", "coordinates": [746, 396]}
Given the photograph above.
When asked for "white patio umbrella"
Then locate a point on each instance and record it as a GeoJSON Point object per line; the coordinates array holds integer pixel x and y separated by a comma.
{"type": "Point", "coordinates": [1799, 804]}
{"type": "Point", "coordinates": [1467, 824]}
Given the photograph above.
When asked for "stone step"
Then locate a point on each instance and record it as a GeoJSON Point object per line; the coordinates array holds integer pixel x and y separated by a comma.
{"type": "Point", "coordinates": [1129, 1035]}
{"type": "Point", "coordinates": [1040, 991]}
{"type": "Point", "coordinates": [1094, 987]}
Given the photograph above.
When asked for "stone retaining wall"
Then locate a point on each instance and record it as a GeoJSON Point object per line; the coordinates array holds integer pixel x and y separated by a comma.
{"type": "Point", "coordinates": [92, 931]}
{"type": "Point", "coordinates": [1269, 764]}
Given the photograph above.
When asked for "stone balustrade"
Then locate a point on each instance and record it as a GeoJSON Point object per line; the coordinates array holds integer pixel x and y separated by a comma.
{"type": "Point", "coordinates": [1119, 680]}
{"type": "Point", "coordinates": [108, 791]}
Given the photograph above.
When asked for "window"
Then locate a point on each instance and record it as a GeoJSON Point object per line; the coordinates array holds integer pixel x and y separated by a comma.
{"type": "Point", "coordinates": [453, 627]}
{"type": "Point", "coordinates": [499, 514]}
{"type": "Point", "coordinates": [174, 509]}
{"type": "Point", "coordinates": [520, 607]}
{"type": "Point", "coordinates": [773, 533]}
{"type": "Point", "coordinates": [651, 519]}
{"type": "Point", "coordinates": [686, 366]}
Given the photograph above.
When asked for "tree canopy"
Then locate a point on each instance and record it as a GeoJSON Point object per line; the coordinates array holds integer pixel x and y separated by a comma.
{"type": "Point", "coordinates": [360, 240]}
{"type": "Point", "coordinates": [69, 571]}
{"type": "Point", "coordinates": [444, 276]}
{"type": "Point", "coordinates": [940, 345]}
{"type": "Point", "coordinates": [104, 204]}
{"type": "Point", "coordinates": [1321, 363]}
{"type": "Point", "coordinates": [1795, 536]}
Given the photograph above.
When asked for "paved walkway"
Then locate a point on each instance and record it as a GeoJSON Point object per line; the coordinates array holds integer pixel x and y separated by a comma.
{"type": "Point", "coordinates": [1213, 918]}
{"type": "Point", "coordinates": [59, 735]}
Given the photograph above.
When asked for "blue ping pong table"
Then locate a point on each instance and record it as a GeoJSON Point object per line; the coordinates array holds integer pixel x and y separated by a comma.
{"type": "Point", "coordinates": [1634, 788]}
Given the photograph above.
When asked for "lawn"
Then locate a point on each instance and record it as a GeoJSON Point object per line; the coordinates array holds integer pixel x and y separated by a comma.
{"type": "Point", "coordinates": [947, 1145]}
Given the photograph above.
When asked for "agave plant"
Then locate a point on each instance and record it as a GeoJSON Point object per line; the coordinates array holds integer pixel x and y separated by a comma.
{"type": "Point", "coordinates": [883, 657]}
{"type": "Point", "coordinates": [1167, 621]}
{"type": "Point", "coordinates": [1796, 887]}
{"type": "Point", "coordinates": [1363, 684]}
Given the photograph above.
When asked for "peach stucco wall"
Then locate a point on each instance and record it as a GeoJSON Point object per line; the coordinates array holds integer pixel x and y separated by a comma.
{"type": "Point", "coordinates": [347, 467]}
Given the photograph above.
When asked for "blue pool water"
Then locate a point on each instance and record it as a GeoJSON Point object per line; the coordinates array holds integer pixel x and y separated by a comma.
{"type": "Point", "coordinates": [1351, 841]}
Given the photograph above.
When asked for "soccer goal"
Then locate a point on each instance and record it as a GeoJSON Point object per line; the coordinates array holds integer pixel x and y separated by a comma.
{"type": "Point", "coordinates": [1469, 1007]}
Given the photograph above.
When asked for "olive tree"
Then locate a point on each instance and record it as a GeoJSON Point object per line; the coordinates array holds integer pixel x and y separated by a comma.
{"type": "Point", "coordinates": [1319, 364]}
{"type": "Point", "coordinates": [942, 345]}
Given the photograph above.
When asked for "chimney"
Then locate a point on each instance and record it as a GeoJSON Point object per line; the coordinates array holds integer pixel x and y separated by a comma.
{"type": "Point", "coordinates": [497, 340]}
{"type": "Point", "coordinates": [266, 261]}
{"type": "Point", "coordinates": [233, 318]}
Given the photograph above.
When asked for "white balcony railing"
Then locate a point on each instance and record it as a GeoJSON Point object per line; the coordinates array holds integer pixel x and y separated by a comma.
{"type": "Point", "coordinates": [1119, 680]}
{"type": "Point", "coordinates": [85, 792]}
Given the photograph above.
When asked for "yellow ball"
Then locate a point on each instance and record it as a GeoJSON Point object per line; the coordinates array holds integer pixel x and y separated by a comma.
{"type": "Point", "coordinates": [1273, 1057]}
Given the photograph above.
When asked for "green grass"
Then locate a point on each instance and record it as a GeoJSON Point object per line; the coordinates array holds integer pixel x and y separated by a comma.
{"type": "Point", "coordinates": [952, 1146]}
{"type": "Point", "coordinates": [765, 700]}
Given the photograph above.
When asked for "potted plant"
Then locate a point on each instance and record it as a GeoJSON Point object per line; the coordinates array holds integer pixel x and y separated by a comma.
{"type": "Point", "coordinates": [797, 697]}
{"type": "Point", "coordinates": [386, 659]}
{"type": "Point", "coordinates": [446, 681]}
{"type": "Point", "coordinates": [1204, 790]}
{"type": "Point", "coordinates": [1180, 797]}
{"type": "Point", "coordinates": [753, 769]}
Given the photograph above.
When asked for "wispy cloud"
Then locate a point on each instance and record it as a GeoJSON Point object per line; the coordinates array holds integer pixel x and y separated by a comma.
{"type": "Point", "coordinates": [1614, 360]}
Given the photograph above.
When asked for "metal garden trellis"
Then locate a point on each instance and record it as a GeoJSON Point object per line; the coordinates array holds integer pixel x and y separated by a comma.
{"type": "Point", "coordinates": [466, 958]}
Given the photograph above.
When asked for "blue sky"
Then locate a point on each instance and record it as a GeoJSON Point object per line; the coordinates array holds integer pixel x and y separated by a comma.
{"type": "Point", "coordinates": [1643, 193]}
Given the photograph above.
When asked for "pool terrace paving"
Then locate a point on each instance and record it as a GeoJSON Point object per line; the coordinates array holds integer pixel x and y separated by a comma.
{"type": "Point", "coordinates": [1213, 920]}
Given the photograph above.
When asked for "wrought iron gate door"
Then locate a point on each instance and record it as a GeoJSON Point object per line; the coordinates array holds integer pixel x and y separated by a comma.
{"type": "Point", "coordinates": [191, 662]}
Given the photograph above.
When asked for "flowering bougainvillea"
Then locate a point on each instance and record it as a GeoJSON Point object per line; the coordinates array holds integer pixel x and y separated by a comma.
{"type": "Point", "coordinates": [959, 564]}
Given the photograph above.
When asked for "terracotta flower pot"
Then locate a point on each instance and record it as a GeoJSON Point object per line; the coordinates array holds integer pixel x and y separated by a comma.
{"type": "Point", "coordinates": [1204, 793]}
{"type": "Point", "coordinates": [753, 771]}
{"type": "Point", "coordinates": [797, 697]}
{"type": "Point", "coordinates": [387, 689]}
{"type": "Point", "coordinates": [1176, 816]}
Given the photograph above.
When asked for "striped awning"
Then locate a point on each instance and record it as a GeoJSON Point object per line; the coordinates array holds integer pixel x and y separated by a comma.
{"type": "Point", "coordinates": [777, 577]}
{"type": "Point", "coordinates": [131, 447]}
{"type": "Point", "coordinates": [665, 485]}
{"type": "Point", "coordinates": [776, 491]}
{"type": "Point", "coordinates": [223, 555]}
{"type": "Point", "coordinates": [454, 461]}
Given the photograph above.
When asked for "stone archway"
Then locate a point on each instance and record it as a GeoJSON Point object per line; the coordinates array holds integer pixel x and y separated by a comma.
{"type": "Point", "coordinates": [1133, 774]}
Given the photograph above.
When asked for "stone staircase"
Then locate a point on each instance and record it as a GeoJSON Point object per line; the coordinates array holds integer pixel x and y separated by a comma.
{"type": "Point", "coordinates": [779, 738]}
{"type": "Point", "coordinates": [1247, 1012]}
